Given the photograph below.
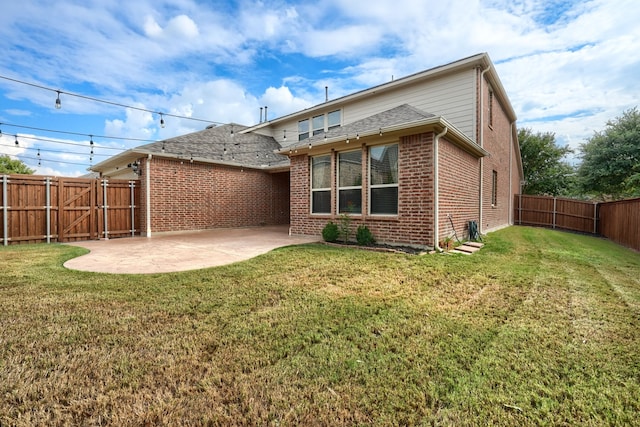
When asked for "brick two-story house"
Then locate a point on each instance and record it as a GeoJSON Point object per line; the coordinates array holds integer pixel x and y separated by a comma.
{"type": "Point", "coordinates": [413, 159]}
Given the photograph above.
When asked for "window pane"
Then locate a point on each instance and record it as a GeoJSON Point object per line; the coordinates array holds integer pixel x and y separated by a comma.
{"type": "Point", "coordinates": [384, 201]}
{"type": "Point", "coordinates": [334, 119]}
{"type": "Point", "coordinates": [384, 164]}
{"type": "Point", "coordinates": [321, 202]}
{"type": "Point", "coordinates": [303, 129]}
{"type": "Point", "coordinates": [321, 172]}
{"type": "Point", "coordinates": [350, 168]}
{"type": "Point", "coordinates": [350, 201]}
{"type": "Point", "coordinates": [318, 124]}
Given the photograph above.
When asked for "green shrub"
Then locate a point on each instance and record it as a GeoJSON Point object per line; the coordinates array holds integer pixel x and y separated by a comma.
{"type": "Point", "coordinates": [364, 236]}
{"type": "Point", "coordinates": [330, 232]}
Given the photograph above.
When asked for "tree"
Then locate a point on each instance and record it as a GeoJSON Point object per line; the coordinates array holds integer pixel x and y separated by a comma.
{"type": "Point", "coordinates": [610, 165]}
{"type": "Point", "coordinates": [10, 166]}
{"type": "Point", "coordinates": [545, 172]}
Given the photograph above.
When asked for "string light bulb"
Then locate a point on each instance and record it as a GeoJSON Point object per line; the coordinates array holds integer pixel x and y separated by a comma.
{"type": "Point", "coordinates": [161, 121]}
{"type": "Point", "coordinates": [285, 134]}
{"type": "Point", "coordinates": [380, 131]}
{"type": "Point", "coordinates": [58, 103]}
{"type": "Point", "coordinates": [17, 141]}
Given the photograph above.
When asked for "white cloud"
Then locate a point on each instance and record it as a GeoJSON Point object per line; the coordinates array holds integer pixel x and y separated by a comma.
{"type": "Point", "coordinates": [18, 112]}
{"type": "Point", "coordinates": [180, 26]}
{"type": "Point", "coordinates": [138, 124]}
{"type": "Point", "coordinates": [151, 27]}
{"type": "Point", "coordinates": [281, 101]}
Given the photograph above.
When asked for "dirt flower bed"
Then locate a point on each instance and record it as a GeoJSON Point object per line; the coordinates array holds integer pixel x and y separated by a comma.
{"type": "Point", "coordinates": [383, 247]}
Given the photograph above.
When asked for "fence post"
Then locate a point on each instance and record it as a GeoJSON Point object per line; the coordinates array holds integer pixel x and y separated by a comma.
{"type": "Point", "coordinates": [520, 209]}
{"type": "Point", "coordinates": [595, 218]}
{"type": "Point", "coordinates": [47, 181]}
{"type": "Point", "coordinates": [132, 185]}
{"type": "Point", "coordinates": [105, 208]}
{"type": "Point", "coordinates": [5, 211]}
{"type": "Point", "coordinates": [554, 211]}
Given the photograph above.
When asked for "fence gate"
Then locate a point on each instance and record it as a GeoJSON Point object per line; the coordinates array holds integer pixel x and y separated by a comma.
{"type": "Point", "coordinates": [77, 210]}
{"type": "Point", "coordinates": [43, 209]}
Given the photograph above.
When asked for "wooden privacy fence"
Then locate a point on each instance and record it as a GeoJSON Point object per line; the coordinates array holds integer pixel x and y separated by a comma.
{"type": "Point", "coordinates": [575, 215]}
{"type": "Point", "coordinates": [618, 221]}
{"type": "Point", "coordinates": [43, 209]}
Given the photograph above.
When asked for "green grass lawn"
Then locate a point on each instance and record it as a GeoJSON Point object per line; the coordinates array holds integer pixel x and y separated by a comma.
{"type": "Point", "coordinates": [538, 328]}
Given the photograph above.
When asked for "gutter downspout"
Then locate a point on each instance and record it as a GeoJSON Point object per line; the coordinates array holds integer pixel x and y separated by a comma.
{"type": "Point", "coordinates": [436, 195]}
{"type": "Point", "coordinates": [511, 142]}
{"type": "Point", "coordinates": [148, 194]}
{"type": "Point", "coordinates": [481, 145]}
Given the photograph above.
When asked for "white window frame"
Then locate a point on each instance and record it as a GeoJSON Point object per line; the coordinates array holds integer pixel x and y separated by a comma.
{"type": "Point", "coordinates": [374, 186]}
{"type": "Point", "coordinates": [316, 130]}
{"type": "Point", "coordinates": [308, 133]}
{"type": "Point", "coordinates": [329, 126]}
{"type": "Point", "coordinates": [323, 189]}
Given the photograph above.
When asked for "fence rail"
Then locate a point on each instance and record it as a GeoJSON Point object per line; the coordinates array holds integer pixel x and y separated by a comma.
{"type": "Point", "coordinates": [43, 209]}
{"type": "Point", "coordinates": [618, 221]}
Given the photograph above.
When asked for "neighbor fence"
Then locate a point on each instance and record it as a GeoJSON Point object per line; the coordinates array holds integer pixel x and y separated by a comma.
{"type": "Point", "coordinates": [44, 209]}
{"type": "Point", "coordinates": [618, 221]}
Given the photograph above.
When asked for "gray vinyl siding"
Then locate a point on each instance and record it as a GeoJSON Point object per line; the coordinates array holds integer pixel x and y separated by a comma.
{"type": "Point", "coordinates": [450, 96]}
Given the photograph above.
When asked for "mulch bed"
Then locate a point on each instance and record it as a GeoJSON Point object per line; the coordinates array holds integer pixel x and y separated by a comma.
{"type": "Point", "coordinates": [381, 247]}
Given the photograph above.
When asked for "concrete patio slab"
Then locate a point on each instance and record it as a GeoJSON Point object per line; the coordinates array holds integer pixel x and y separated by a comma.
{"type": "Point", "coordinates": [169, 252]}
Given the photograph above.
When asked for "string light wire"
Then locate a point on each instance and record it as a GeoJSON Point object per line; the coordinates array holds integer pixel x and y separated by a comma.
{"type": "Point", "coordinates": [117, 104]}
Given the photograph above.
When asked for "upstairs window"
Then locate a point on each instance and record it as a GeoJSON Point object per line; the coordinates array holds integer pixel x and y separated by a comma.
{"type": "Point", "coordinates": [334, 119]}
{"type": "Point", "coordinates": [350, 182]}
{"type": "Point", "coordinates": [383, 181]}
{"type": "Point", "coordinates": [303, 129]}
{"type": "Point", "coordinates": [318, 124]}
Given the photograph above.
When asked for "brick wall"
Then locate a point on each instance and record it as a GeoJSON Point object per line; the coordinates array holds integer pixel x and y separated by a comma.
{"type": "Point", "coordinates": [414, 222]}
{"type": "Point", "coordinates": [497, 141]}
{"type": "Point", "coordinates": [458, 173]}
{"type": "Point", "coordinates": [196, 196]}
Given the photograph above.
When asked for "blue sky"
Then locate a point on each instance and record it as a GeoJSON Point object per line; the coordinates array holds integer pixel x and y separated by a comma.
{"type": "Point", "coordinates": [567, 66]}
